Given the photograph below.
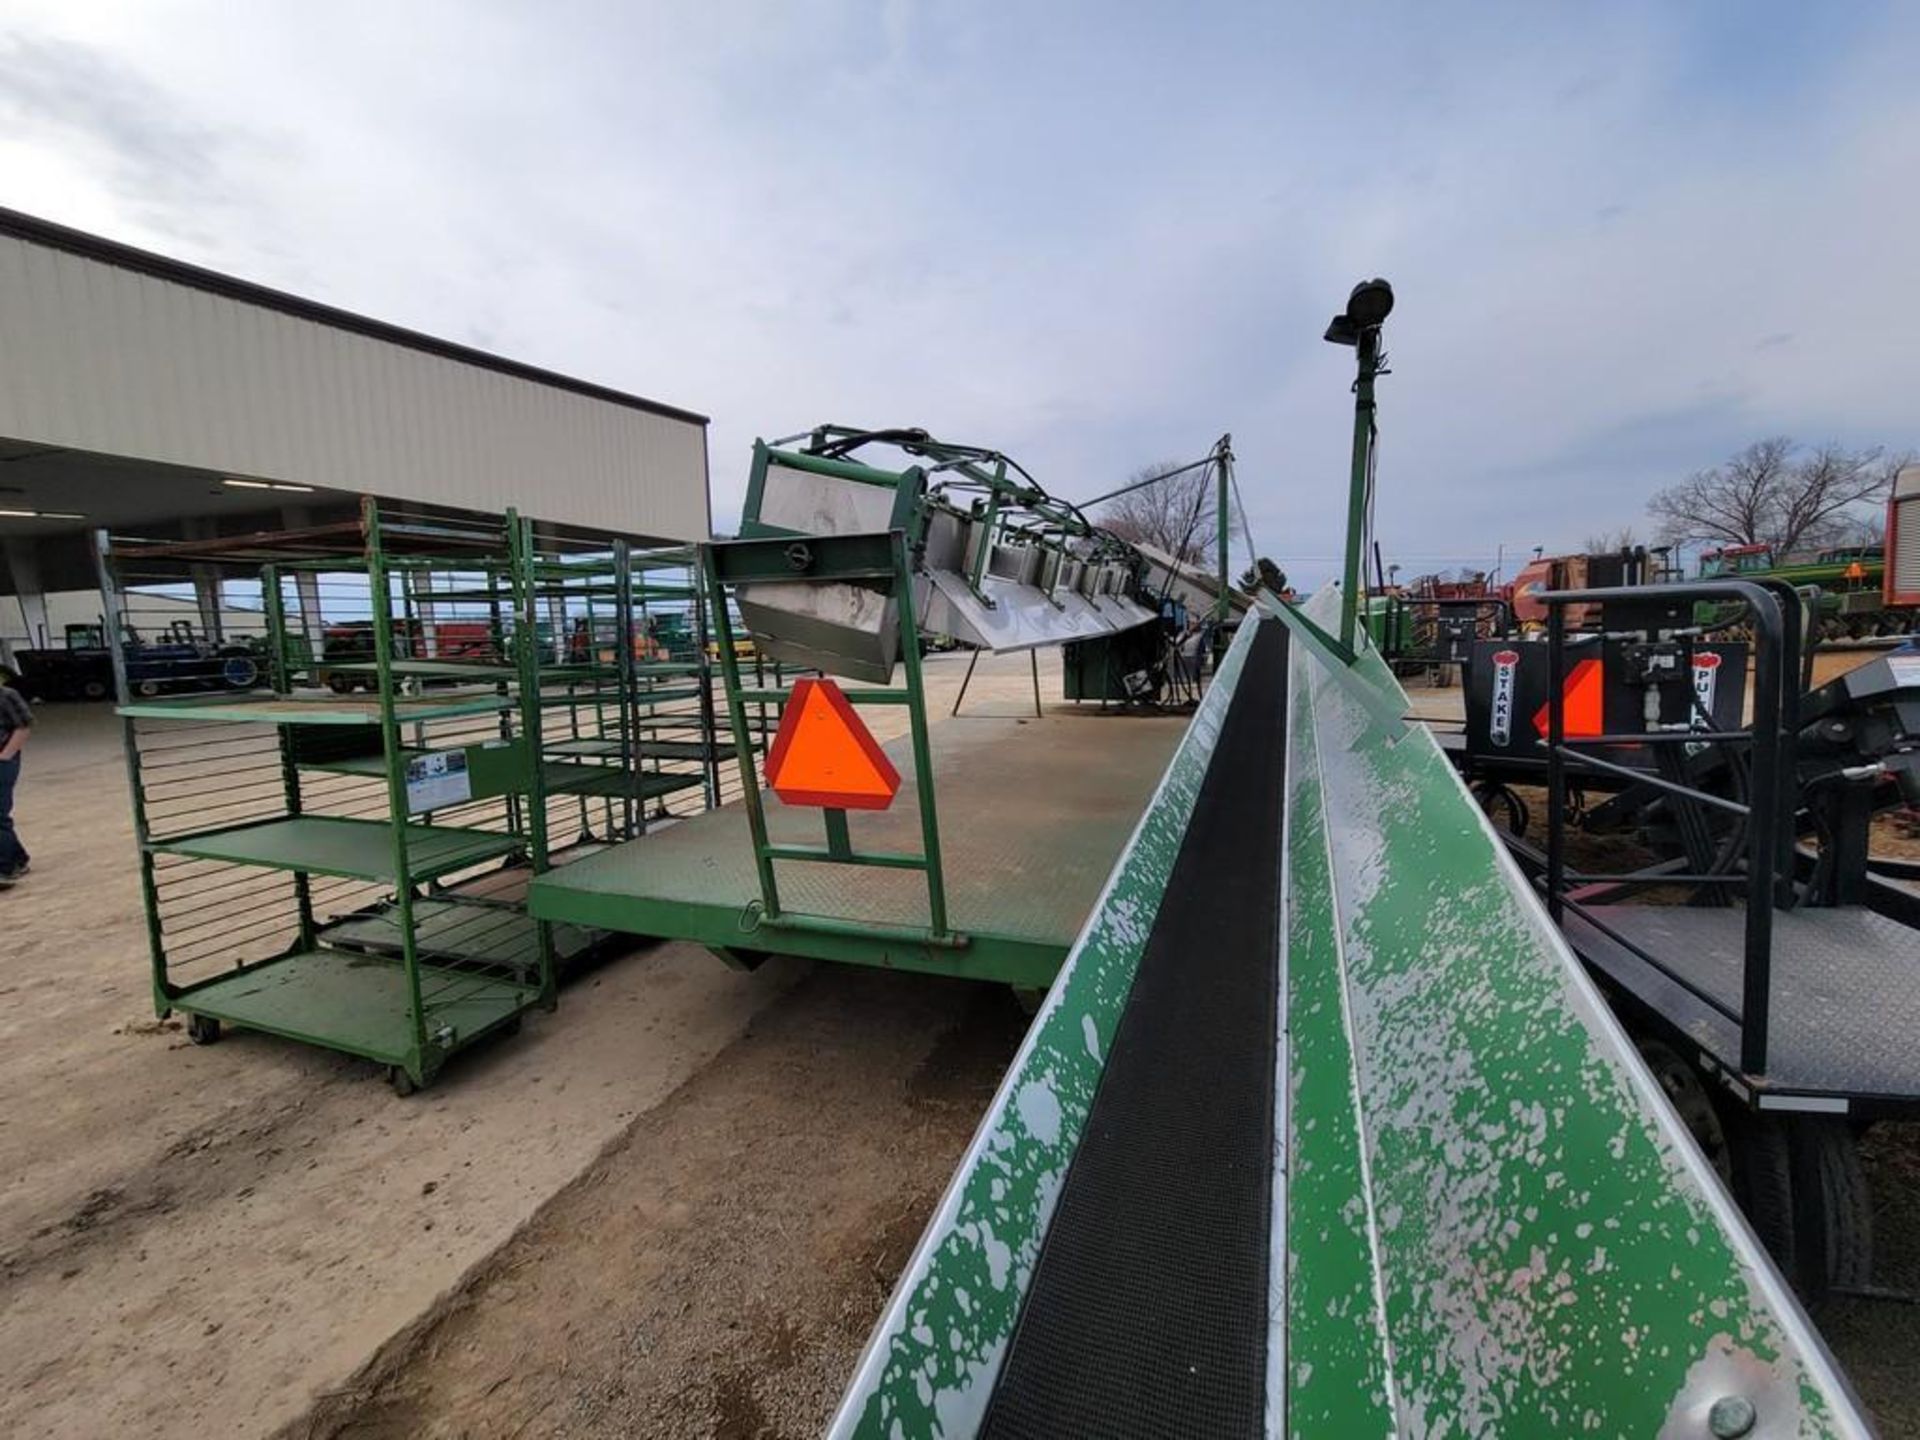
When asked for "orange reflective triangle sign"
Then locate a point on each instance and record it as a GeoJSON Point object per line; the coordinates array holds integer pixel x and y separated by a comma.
{"type": "Point", "coordinates": [1585, 692]}
{"type": "Point", "coordinates": [824, 754]}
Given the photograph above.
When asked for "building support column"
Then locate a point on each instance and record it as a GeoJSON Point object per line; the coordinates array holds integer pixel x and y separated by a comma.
{"type": "Point", "coordinates": [24, 571]}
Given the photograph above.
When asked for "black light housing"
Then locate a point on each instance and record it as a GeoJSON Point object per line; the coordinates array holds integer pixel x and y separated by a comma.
{"type": "Point", "coordinates": [1367, 308]}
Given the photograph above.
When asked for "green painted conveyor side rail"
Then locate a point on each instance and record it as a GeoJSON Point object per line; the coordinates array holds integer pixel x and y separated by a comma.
{"type": "Point", "coordinates": [1494, 1223]}
{"type": "Point", "coordinates": [1487, 1219]}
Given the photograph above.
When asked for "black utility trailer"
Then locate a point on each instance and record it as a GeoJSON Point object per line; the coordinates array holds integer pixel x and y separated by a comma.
{"type": "Point", "coordinates": [1768, 967]}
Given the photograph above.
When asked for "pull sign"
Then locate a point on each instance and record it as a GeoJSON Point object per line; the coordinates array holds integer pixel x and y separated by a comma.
{"type": "Point", "coordinates": [824, 754]}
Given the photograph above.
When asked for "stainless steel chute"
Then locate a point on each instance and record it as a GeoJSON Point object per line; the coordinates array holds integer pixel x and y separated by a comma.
{"type": "Point", "coordinates": [998, 564]}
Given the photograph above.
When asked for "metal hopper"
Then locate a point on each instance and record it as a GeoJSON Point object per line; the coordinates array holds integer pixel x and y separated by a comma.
{"type": "Point", "coordinates": [999, 565]}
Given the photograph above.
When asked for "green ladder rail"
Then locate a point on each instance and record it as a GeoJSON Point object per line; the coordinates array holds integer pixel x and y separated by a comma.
{"type": "Point", "coordinates": [877, 557]}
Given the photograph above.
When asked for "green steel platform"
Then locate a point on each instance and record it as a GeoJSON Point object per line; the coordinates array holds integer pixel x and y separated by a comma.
{"type": "Point", "coordinates": [1032, 816]}
{"type": "Point", "coordinates": [330, 845]}
{"type": "Point", "coordinates": [358, 1003]}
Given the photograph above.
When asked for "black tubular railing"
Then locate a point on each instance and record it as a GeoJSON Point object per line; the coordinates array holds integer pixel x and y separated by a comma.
{"type": "Point", "coordinates": [1772, 609]}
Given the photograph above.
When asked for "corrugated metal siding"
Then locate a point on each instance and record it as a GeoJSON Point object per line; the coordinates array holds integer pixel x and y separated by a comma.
{"type": "Point", "coordinates": [100, 358]}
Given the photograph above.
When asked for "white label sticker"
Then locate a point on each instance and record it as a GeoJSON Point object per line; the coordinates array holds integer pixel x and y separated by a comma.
{"type": "Point", "coordinates": [1500, 726]}
{"type": "Point", "coordinates": [1906, 669]}
{"type": "Point", "coordinates": [436, 780]}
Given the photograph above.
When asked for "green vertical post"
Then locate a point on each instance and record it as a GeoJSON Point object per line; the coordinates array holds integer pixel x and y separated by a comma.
{"type": "Point", "coordinates": [279, 672]}
{"type": "Point", "coordinates": [1359, 326]}
{"type": "Point", "coordinates": [703, 672]}
{"type": "Point", "coordinates": [839, 839]}
{"type": "Point", "coordinates": [380, 601]}
{"type": "Point", "coordinates": [1351, 581]}
{"type": "Point", "coordinates": [984, 551]}
{"type": "Point", "coordinates": [922, 749]}
{"type": "Point", "coordinates": [628, 708]}
{"type": "Point", "coordinates": [526, 656]}
{"type": "Point", "coordinates": [113, 616]}
{"type": "Point", "coordinates": [737, 718]}
{"type": "Point", "coordinates": [1223, 471]}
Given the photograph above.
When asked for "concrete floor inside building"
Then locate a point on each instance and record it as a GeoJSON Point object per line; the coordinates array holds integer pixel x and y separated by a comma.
{"type": "Point", "coordinates": [674, 1207]}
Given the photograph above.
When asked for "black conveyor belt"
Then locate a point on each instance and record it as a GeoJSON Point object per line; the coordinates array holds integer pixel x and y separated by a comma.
{"type": "Point", "coordinates": [1147, 1315]}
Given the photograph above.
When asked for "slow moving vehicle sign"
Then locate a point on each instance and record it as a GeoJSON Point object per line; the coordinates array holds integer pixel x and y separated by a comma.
{"type": "Point", "coordinates": [824, 754]}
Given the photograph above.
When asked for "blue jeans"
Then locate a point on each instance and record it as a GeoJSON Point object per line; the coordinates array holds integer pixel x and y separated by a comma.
{"type": "Point", "coordinates": [13, 855]}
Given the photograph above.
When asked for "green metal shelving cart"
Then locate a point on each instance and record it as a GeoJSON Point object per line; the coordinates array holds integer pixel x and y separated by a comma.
{"type": "Point", "coordinates": [339, 857]}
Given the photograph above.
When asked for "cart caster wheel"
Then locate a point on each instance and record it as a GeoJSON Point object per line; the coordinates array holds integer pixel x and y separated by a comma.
{"type": "Point", "coordinates": [202, 1029]}
{"type": "Point", "coordinates": [401, 1081]}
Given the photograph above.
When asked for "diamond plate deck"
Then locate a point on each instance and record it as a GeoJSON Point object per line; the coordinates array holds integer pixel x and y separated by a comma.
{"type": "Point", "coordinates": [1846, 989]}
{"type": "Point", "coordinates": [1032, 817]}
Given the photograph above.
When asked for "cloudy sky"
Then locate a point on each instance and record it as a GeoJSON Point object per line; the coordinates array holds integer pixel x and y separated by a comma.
{"type": "Point", "coordinates": [1626, 239]}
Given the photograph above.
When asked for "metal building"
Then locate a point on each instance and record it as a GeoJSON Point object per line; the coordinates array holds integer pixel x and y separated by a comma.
{"type": "Point", "coordinates": [159, 399]}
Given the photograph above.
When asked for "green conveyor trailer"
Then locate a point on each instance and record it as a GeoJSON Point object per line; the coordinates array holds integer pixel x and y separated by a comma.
{"type": "Point", "coordinates": [1323, 1131]}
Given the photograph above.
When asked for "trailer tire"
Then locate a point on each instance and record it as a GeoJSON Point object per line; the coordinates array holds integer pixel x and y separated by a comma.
{"type": "Point", "coordinates": [1746, 1150]}
{"type": "Point", "coordinates": [1493, 797]}
{"type": "Point", "coordinates": [1762, 1166]}
{"type": "Point", "coordinates": [401, 1081]}
{"type": "Point", "coordinates": [1833, 1211]}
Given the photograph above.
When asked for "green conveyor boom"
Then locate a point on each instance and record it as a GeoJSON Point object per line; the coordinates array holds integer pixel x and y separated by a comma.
{"type": "Point", "coordinates": [1470, 1209]}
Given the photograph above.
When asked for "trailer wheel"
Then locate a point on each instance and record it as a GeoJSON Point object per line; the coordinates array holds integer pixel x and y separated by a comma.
{"type": "Point", "coordinates": [1686, 1090]}
{"type": "Point", "coordinates": [1747, 1150]}
{"type": "Point", "coordinates": [1497, 799]}
{"type": "Point", "coordinates": [401, 1081]}
{"type": "Point", "coordinates": [94, 690]}
{"type": "Point", "coordinates": [1833, 1211]}
{"type": "Point", "coordinates": [203, 1029]}
{"type": "Point", "coordinates": [1763, 1184]}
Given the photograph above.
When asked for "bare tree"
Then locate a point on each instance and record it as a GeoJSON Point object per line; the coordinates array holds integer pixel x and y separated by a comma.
{"type": "Point", "coordinates": [1177, 514]}
{"type": "Point", "coordinates": [1775, 493]}
{"type": "Point", "coordinates": [1601, 542]}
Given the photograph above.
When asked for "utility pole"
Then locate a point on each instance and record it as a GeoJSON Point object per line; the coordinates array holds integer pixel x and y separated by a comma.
{"type": "Point", "coordinates": [1223, 467]}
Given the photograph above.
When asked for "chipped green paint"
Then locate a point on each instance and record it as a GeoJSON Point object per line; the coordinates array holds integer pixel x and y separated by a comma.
{"type": "Point", "coordinates": [1546, 1248]}
{"type": "Point", "coordinates": [933, 1359]}
{"type": "Point", "coordinates": [1338, 1365]}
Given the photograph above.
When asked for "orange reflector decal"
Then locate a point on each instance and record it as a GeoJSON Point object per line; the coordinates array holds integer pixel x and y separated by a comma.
{"type": "Point", "coordinates": [825, 755]}
{"type": "Point", "coordinates": [1585, 692]}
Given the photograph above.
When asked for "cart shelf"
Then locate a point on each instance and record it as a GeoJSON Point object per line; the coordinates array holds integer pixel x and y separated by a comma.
{"type": "Point", "coordinates": [459, 931]}
{"type": "Point", "coordinates": [334, 845]}
{"type": "Point", "coordinates": [647, 749]}
{"type": "Point", "coordinates": [430, 669]}
{"type": "Point", "coordinates": [565, 778]}
{"type": "Point", "coordinates": [640, 697]}
{"type": "Point", "coordinates": [317, 710]}
{"type": "Point", "coordinates": [358, 1003]}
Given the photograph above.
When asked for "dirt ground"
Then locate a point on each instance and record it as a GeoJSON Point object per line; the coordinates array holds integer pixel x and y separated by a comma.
{"type": "Point", "coordinates": [744, 1235]}
{"type": "Point", "coordinates": [214, 1240]}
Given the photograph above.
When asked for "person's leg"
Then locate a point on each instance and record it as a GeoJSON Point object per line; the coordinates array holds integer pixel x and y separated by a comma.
{"type": "Point", "coordinates": [13, 855]}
